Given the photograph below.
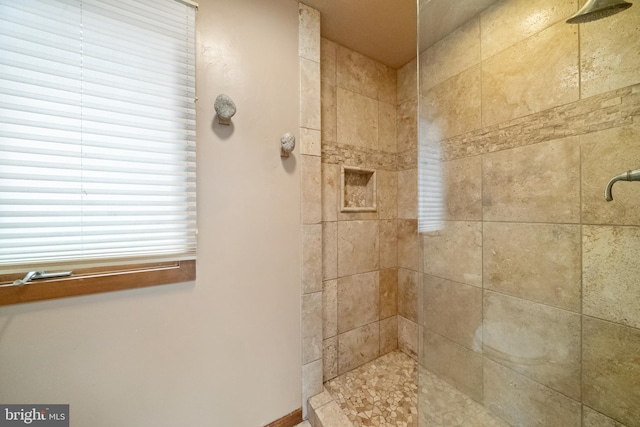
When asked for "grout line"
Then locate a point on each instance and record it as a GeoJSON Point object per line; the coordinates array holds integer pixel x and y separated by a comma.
{"type": "Point", "coordinates": [482, 189]}
{"type": "Point", "coordinates": [534, 380]}
{"type": "Point", "coordinates": [492, 291]}
{"type": "Point", "coordinates": [611, 322]}
{"type": "Point", "coordinates": [579, 60]}
{"type": "Point", "coordinates": [479, 353]}
{"type": "Point", "coordinates": [581, 261]}
{"type": "Point", "coordinates": [481, 81]}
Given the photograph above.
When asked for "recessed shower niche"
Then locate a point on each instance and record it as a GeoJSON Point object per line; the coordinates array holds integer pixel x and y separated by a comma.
{"type": "Point", "coordinates": [358, 189]}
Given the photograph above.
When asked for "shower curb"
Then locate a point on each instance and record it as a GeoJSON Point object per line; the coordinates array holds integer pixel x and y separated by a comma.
{"type": "Point", "coordinates": [323, 411]}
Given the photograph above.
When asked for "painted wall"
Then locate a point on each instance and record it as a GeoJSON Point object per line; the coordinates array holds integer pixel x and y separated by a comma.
{"type": "Point", "coordinates": [225, 350]}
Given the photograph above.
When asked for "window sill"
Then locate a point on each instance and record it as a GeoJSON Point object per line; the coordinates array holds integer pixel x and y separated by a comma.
{"type": "Point", "coordinates": [96, 280]}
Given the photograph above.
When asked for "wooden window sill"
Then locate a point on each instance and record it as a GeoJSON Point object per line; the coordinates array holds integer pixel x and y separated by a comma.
{"type": "Point", "coordinates": [96, 280]}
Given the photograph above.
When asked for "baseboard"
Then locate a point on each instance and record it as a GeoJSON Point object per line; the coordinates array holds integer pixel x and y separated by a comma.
{"type": "Point", "coordinates": [289, 420]}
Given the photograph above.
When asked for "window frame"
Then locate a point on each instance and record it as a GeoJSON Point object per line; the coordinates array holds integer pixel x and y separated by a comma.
{"type": "Point", "coordinates": [95, 280]}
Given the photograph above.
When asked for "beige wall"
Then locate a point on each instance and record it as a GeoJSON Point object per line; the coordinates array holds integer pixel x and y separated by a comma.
{"type": "Point", "coordinates": [530, 294]}
{"type": "Point", "coordinates": [224, 350]}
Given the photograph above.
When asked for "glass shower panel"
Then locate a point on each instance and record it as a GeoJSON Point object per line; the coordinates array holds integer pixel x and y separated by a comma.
{"type": "Point", "coordinates": [530, 295]}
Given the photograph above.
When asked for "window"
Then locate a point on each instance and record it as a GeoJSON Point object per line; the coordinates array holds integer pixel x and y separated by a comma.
{"type": "Point", "coordinates": [97, 144]}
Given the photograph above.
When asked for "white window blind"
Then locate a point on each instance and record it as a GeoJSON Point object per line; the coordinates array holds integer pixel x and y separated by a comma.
{"type": "Point", "coordinates": [97, 131]}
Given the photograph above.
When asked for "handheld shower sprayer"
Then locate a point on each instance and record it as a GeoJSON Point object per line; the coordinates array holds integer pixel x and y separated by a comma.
{"type": "Point", "coordinates": [632, 175]}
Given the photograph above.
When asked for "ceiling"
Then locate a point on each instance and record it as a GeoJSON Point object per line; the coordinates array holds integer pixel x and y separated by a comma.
{"type": "Point", "coordinates": [385, 30]}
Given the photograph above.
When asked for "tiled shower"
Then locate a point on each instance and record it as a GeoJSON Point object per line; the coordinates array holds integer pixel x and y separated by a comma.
{"type": "Point", "coordinates": [530, 289]}
{"type": "Point", "coordinates": [370, 261]}
{"type": "Point", "coordinates": [526, 299]}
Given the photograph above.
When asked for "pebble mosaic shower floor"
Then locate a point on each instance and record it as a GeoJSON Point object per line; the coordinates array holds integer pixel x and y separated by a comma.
{"type": "Point", "coordinates": [384, 393]}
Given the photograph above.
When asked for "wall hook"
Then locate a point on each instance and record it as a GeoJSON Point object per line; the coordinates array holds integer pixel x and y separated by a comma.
{"type": "Point", "coordinates": [225, 109]}
{"type": "Point", "coordinates": [287, 144]}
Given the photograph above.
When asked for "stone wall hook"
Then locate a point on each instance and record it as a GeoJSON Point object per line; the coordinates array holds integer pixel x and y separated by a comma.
{"type": "Point", "coordinates": [287, 144]}
{"type": "Point", "coordinates": [225, 109]}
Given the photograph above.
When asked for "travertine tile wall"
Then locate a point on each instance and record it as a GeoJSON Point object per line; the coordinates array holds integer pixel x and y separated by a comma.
{"type": "Point", "coordinates": [531, 291]}
{"type": "Point", "coordinates": [310, 199]}
{"type": "Point", "coordinates": [361, 280]}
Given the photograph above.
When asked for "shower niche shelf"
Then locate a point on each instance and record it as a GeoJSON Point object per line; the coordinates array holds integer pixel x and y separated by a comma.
{"type": "Point", "coordinates": [357, 189]}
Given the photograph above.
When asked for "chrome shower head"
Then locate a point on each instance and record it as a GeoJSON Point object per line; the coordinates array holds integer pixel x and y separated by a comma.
{"type": "Point", "coordinates": [598, 9]}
